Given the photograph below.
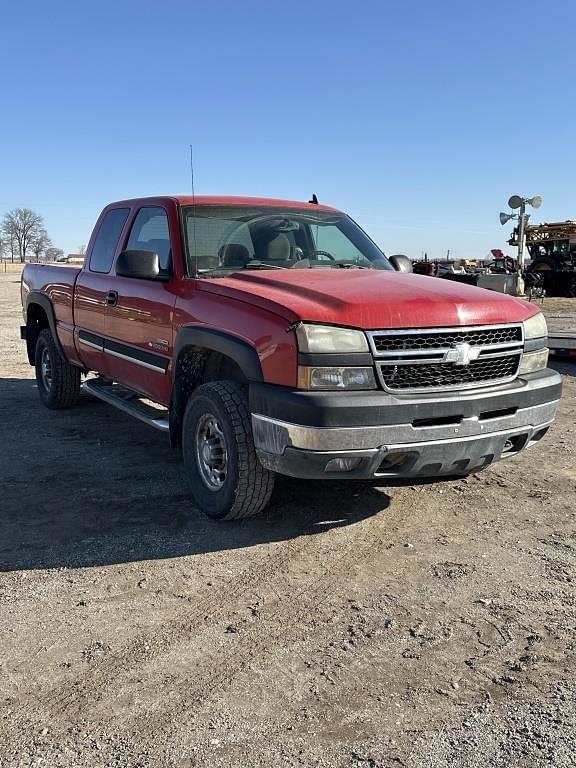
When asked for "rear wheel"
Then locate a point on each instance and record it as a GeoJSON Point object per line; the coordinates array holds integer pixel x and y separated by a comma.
{"type": "Point", "coordinates": [543, 265]}
{"type": "Point", "coordinates": [227, 480]}
{"type": "Point", "coordinates": [58, 381]}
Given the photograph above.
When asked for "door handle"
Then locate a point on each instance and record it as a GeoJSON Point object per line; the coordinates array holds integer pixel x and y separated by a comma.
{"type": "Point", "coordinates": [112, 298]}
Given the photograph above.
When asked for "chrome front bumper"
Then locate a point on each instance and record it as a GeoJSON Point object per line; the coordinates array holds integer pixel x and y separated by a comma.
{"type": "Point", "coordinates": [399, 450]}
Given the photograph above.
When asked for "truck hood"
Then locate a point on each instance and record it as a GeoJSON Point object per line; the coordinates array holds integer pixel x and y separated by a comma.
{"type": "Point", "coordinates": [370, 299]}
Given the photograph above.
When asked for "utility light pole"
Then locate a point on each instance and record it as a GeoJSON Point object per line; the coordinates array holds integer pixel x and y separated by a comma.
{"type": "Point", "coordinates": [520, 202]}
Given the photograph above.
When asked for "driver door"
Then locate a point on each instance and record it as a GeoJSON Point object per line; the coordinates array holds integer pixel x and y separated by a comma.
{"type": "Point", "coordinates": [140, 323]}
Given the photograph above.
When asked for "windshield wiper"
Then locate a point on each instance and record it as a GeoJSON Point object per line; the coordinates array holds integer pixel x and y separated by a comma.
{"type": "Point", "coordinates": [262, 265]}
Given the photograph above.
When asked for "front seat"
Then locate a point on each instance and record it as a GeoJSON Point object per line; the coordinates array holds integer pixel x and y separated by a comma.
{"type": "Point", "coordinates": [233, 255]}
{"type": "Point", "coordinates": [279, 249]}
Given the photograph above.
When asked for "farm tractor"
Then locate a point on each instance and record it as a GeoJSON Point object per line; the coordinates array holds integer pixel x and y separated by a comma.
{"type": "Point", "coordinates": [552, 249]}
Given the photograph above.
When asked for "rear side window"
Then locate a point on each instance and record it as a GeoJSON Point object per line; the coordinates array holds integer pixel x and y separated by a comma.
{"type": "Point", "coordinates": [150, 233]}
{"type": "Point", "coordinates": [107, 239]}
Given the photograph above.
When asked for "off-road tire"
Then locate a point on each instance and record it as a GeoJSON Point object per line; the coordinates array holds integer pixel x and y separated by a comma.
{"type": "Point", "coordinates": [247, 486]}
{"type": "Point", "coordinates": [543, 264]}
{"type": "Point", "coordinates": [62, 389]}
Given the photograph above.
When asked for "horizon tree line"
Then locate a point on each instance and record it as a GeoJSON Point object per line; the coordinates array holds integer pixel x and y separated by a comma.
{"type": "Point", "coordinates": [23, 237]}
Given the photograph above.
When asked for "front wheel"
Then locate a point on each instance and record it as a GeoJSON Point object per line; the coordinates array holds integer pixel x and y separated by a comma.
{"type": "Point", "coordinates": [228, 482]}
{"type": "Point", "coordinates": [58, 381]}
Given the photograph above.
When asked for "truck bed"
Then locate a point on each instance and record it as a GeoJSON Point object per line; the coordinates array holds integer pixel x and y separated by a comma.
{"type": "Point", "coordinates": [55, 281]}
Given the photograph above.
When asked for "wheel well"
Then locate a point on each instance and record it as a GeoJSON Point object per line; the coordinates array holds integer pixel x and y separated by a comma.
{"type": "Point", "coordinates": [36, 321]}
{"type": "Point", "coordinates": [196, 366]}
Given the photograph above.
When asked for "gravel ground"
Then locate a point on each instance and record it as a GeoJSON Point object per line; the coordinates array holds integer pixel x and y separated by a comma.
{"type": "Point", "coordinates": [425, 625]}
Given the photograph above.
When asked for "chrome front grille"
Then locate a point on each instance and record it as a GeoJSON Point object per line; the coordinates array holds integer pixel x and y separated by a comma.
{"type": "Point", "coordinates": [425, 360]}
{"type": "Point", "coordinates": [442, 376]}
{"type": "Point", "coordinates": [395, 341]}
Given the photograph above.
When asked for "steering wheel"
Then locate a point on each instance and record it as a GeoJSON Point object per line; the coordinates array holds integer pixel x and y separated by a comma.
{"type": "Point", "coordinates": [321, 253]}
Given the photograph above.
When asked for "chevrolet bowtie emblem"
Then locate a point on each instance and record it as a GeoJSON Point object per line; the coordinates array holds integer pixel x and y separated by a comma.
{"type": "Point", "coordinates": [461, 354]}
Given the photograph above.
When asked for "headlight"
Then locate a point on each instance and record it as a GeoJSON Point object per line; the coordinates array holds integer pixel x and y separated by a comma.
{"type": "Point", "coordinates": [535, 327]}
{"type": "Point", "coordinates": [533, 361]}
{"type": "Point", "coordinates": [312, 377]}
{"type": "Point", "coordinates": [329, 338]}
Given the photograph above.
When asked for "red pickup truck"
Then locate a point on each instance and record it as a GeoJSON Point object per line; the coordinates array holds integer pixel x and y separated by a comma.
{"type": "Point", "coordinates": [269, 336]}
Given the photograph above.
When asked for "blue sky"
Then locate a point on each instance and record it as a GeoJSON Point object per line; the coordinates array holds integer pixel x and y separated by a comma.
{"type": "Point", "coordinates": [418, 118]}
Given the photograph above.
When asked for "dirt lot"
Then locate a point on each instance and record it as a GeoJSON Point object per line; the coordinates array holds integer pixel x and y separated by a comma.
{"type": "Point", "coordinates": [427, 625]}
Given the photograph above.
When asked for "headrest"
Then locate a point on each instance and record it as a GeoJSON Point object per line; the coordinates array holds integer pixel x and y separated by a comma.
{"type": "Point", "coordinates": [279, 248]}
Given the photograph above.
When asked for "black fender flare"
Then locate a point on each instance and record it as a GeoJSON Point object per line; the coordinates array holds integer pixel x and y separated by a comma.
{"type": "Point", "coordinates": [206, 340]}
{"type": "Point", "coordinates": [43, 301]}
{"type": "Point", "coordinates": [213, 340]}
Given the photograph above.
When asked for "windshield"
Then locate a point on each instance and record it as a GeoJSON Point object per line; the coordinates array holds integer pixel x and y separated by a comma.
{"type": "Point", "coordinates": [221, 240]}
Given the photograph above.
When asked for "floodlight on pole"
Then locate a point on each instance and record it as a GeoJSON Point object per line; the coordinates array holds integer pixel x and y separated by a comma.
{"type": "Point", "coordinates": [520, 202]}
{"type": "Point", "coordinates": [505, 217]}
{"type": "Point", "coordinates": [515, 201]}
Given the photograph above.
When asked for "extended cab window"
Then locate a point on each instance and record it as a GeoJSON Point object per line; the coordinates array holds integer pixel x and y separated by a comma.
{"type": "Point", "coordinates": [150, 233]}
{"type": "Point", "coordinates": [107, 239]}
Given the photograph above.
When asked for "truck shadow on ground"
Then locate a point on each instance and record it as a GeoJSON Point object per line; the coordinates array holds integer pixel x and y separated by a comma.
{"type": "Point", "coordinates": [90, 487]}
{"type": "Point", "coordinates": [563, 364]}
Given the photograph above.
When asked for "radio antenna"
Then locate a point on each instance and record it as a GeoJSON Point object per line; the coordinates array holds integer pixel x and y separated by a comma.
{"type": "Point", "coordinates": [194, 257]}
{"type": "Point", "coordinates": [192, 169]}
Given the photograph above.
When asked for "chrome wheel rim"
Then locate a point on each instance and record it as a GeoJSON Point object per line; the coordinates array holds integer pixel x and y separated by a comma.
{"type": "Point", "coordinates": [211, 452]}
{"type": "Point", "coordinates": [46, 369]}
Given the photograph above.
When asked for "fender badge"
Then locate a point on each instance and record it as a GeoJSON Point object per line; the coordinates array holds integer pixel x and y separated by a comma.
{"type": "Point", "coordinates": [160, 344]}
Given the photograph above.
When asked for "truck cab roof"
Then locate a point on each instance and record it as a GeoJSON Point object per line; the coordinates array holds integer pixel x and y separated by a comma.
{"type": "Point", "coordinates": [225, 200]}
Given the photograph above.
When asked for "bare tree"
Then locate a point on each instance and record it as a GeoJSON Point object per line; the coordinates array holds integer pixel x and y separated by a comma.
{"type": "Point", "coordinates": [82, 250]}
{"type": "Point", "coordinates": [54, 254]}
{"type": "Point", "coordinates": [22, 225]}
{"type": "Point", "coordinates": [12, 241]}
{"type": "Point", "coordinates": [39, 242]}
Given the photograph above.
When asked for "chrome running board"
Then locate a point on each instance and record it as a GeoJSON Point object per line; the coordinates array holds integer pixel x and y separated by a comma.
{"type": "Point", "coordinates": [129, 401]}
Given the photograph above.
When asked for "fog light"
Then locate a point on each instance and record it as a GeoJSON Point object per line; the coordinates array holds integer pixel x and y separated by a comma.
{"type": "Point", "coordinates": [342, 465]}
{"type": "Point", "coordinates": [395, 462]}
{"type": "Point", "coordinates": [539, 435]}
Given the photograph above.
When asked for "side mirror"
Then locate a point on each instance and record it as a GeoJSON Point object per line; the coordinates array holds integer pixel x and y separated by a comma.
{"type": "Point", "coordinates": [144, 265]}
{"type": "Point", "coordinates": [401, 263]}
